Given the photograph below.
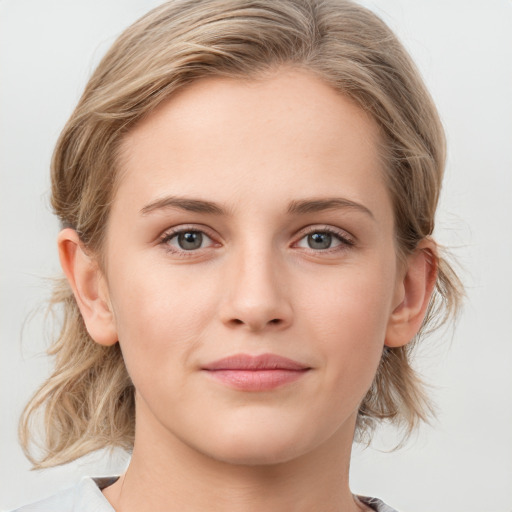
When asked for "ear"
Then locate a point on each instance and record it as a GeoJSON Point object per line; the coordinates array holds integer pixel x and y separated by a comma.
{"type": "Point", "coordinates": [89, 287]}
{"type": "Point", "coordinates": [413, 295]}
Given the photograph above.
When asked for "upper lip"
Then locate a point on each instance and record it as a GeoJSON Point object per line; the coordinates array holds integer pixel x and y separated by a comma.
{"type": "Point", "coordinates": [254, 363]}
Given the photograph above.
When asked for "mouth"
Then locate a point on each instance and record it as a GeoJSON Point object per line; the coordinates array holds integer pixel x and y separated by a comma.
{"type": "Point", "coordinates": [256, 373]}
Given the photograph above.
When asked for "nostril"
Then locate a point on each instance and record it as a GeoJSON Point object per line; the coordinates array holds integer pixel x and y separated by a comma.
{"type": "Point", "coordinates": [274, 321]}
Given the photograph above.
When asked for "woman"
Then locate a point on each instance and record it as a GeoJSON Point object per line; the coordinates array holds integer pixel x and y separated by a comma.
{"type": "Point", "coordinates": [247, 192]}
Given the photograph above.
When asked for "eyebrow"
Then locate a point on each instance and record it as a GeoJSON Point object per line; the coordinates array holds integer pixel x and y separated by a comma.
{"type": "Point", "coordinates": [319, 205]}
{"type": "Point", "coordinates": [296, 207]}
{"type": "Point", "coordinates": [182, 203]}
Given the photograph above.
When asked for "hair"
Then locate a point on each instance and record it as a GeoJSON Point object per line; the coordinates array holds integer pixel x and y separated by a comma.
{"type": "Point", "coordinates": [88, 401]}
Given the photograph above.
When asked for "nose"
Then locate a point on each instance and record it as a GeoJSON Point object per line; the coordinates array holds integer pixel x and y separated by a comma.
{"type": "Point", "coordinates": [256, 293]}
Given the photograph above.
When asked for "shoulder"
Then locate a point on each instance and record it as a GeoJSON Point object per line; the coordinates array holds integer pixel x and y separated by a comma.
{"type": "Point", "coordinates": [86, 496]}
{"type": "Point", "coordinates": [376, 504]}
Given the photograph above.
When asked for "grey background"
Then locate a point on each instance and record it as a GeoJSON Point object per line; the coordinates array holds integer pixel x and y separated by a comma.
{"type": "Point", "coordinates": [464, 50]}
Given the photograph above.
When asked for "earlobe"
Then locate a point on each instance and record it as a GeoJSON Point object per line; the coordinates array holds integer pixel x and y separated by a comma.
{"type": "Point", "coordinates": [416, 288]}
{"type": "Point", "coordinates": [89, 287]}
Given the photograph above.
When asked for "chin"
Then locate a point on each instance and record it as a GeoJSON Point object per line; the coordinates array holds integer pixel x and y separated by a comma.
{"type": "Point", "coordinates": [257, 445]}
{"type": "Point", "coordinates": [253, 456]}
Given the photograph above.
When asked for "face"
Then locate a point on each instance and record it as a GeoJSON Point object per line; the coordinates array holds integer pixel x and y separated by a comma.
{"type": "Point", "coordinates": [251, 266]}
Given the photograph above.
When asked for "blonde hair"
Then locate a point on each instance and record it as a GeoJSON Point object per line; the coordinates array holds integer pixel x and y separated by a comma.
{"type": "Point", "coordinates": [88, 401]}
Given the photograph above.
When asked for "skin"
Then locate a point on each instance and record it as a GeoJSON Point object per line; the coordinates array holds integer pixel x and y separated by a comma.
{"type": "Point", "coordinates": [254, 286]}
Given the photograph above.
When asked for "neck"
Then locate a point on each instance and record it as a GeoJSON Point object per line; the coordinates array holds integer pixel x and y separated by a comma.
{"type": "Point", "coordinates": [172, 476]}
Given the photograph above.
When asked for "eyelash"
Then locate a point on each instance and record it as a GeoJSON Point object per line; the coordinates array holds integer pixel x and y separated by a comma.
{"type": "Point", "coordinates": [345, 240]}
{"type": "Point", "coordinates": [169, 235]}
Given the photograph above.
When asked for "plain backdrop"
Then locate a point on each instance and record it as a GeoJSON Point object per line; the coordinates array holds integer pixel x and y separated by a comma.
{"type": "Point", "coordinates": [464, 51]}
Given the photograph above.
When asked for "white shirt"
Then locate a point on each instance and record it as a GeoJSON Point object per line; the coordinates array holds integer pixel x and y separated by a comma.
{"type": "Point", "coordinates": [86, 496]}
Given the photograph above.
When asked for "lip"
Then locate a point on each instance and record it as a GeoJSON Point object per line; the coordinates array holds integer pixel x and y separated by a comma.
{"type": "Point", "coordinates": [256, 373]}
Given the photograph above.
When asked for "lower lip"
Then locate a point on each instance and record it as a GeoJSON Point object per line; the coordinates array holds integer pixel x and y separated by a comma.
{"type": "Point", "coordinates": [257, 380]}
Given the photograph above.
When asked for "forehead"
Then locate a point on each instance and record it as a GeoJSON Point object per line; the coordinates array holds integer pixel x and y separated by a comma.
{"type": "Point", "coordinates": [287, 132]}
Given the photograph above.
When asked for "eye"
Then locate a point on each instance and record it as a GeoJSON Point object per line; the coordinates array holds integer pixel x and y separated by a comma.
{"type": "Point", "coordinates": [319, 240]}
{"type": "Point", "coordinates": [322, 240]}
{"type": "Point", "coordinates": [187, 240]}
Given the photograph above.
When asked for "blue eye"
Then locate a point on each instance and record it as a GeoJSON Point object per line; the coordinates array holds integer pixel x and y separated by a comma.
{"type": "Point", "coordinates": [190, 240]}
{"type": "Point", "coordinates": [323, 240]}
{"type": "Point", "coordinates": [319, 240]}
{"type": "Point", "coordinates": [187, 240]}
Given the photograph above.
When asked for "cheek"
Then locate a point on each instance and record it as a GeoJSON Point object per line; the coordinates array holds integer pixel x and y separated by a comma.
{"type": "Point", "coordinates": [353, 300]}
{"type": "Point", "coordinates": [160, 317]}
{"type": "Point", "coordinates": [348, 321]}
